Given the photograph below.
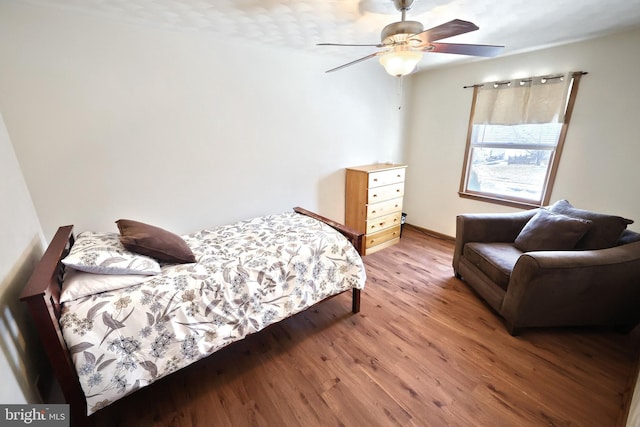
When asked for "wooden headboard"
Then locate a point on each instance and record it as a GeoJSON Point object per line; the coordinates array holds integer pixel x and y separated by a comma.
{"type": "Point", "coordinates": [42, 296]}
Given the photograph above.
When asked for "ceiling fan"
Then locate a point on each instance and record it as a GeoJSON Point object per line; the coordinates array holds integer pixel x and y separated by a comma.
{"type": "Point", "coordinates": [404, 42]}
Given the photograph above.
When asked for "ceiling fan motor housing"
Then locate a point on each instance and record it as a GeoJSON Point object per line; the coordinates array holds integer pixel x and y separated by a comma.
{"type": "Point", "coordinates": [403, 4]}
{"type": "Point", "coordinates": [402, 27]}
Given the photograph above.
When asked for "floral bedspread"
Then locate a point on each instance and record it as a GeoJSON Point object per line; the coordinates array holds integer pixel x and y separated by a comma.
{"type": "Point", "coordinates": [248, 275]}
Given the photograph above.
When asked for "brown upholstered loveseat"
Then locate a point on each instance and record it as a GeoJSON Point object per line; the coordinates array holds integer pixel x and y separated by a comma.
{"type": "Point", "coordinates": [557, 266]}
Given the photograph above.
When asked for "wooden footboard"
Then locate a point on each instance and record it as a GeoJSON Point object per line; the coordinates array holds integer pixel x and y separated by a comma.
{"type": "Point", "coordinates": [42, 296]}
{"type": "Point", "coordinates": [353, 235]}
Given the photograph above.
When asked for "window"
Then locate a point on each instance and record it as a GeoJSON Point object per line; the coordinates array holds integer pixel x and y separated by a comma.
{"type": "Point", "coordinates": [515, 139]}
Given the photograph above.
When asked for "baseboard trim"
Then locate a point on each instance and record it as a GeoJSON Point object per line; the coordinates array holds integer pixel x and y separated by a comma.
{"type": "Point", "coordinates": [431, 232]}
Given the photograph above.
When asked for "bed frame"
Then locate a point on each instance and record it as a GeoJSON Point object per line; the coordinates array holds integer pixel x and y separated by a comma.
{"type": "Point", "coordinates": [42, 296]}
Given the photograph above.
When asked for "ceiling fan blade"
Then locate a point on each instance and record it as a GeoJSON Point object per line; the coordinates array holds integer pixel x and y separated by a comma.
{"type": "Point", "coordinates": [364, 58]}
{"type": "Point", "coordinates": [448, 29]}
{"type": "Point", "coordinates": [464, 49]}
{"type": "Point", "coordinates": [343, 44]}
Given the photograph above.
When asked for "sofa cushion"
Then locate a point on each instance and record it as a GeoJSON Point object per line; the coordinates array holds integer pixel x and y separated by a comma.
{"type": "Point", "coordinates": [548, 231]}
{"type": "Point", "coordinates": [605, 230]}
{"type": "Point", "coordinates": [496, 260]}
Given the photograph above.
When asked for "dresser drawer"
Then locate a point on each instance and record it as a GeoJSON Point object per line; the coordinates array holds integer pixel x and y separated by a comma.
{"type": "Point", "coordinates": [386, 192]}
{"type": "Point", "coordinates": [381, 239]}
{"type": "Point", "coordinates": [375, 210]}
{"type": "Point", "coordinates": [377, 179]}
{"type": "Point", "coordinates": [383, 222]}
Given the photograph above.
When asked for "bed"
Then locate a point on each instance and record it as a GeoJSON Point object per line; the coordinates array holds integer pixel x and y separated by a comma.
{"type": "Point", "coordinates": [107, 339]}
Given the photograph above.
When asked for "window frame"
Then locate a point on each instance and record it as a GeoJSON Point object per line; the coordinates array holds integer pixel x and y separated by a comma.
{"type": "Point", "coordinates": [554, 160]}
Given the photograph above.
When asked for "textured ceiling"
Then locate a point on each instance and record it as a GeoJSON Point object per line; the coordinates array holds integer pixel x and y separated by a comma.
{"type": "Point", "coordinates": [520, 25]}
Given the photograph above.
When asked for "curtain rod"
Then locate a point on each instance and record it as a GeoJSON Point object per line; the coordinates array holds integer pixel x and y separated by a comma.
{"type": "Point", "coordinates": [527, 79]}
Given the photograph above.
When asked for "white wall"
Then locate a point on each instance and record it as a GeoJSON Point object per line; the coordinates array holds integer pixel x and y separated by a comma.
{"type": "Point", "coordinates": [599, 167]}
{"type": "Point", "coordinates": [180, 129]}
{"type": "Point", "coordinates": [21, 246]}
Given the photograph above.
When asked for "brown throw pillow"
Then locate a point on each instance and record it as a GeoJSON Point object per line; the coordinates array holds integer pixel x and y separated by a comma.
{"type": "Point", "coordinates": [551, 232]}
{"type": "Point", "coordinates": [605, 231]}
{"type": "Point", "coordinates": [154, 242]}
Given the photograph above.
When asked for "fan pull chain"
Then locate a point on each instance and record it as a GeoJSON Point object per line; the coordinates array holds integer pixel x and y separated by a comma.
{"type": "Point", "coordinates": [400, 88]}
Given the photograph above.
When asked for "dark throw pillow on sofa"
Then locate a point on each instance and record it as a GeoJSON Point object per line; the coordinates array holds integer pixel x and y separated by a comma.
{"type": "Point", "coordinates": [605, 230]}
{"type": "Point", "coordinates": [547, 231]}
{"type": "Point", "coordinates": [154, 242]}
{"type": "Point", "coordinates": [627, 237]}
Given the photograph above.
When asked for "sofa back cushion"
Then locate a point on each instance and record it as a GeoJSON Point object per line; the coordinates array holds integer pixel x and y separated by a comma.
{"type": "Point", "coordinates": [605, 229]}
{"type": "Point", "coordinates": [548, 231]}
{"type": "Point", "coordinates": [628, 236]}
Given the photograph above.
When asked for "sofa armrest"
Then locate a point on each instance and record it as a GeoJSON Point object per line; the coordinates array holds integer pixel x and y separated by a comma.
{"type": "Point", "coordinates": [593, 287]}
{"type": "Point", "coordinates": [488, 227]}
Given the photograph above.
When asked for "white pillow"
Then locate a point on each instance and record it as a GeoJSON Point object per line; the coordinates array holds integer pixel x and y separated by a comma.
{"type": "Point", "coordinates": [103, 253]}
{"type": "Point", "coordinates": [78, 284]}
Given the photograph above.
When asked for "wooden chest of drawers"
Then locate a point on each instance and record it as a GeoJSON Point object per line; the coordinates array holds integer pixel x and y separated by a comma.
{"type": "Point", "coordinates": [373, 203]}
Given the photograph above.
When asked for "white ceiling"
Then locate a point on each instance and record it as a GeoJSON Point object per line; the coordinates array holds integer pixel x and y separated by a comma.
{"type": "Point", "coordinates": [520, 25]}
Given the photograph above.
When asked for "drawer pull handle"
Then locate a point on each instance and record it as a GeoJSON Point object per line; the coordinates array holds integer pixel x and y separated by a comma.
{"type": "Point", "coordinates": [381, 224]}
{"type": "Point", "coordinates": [375, 179]}
{"type": "Point", "coordinates": [373, 212]}
{"type": "Point", "coordinates": [375, 195]}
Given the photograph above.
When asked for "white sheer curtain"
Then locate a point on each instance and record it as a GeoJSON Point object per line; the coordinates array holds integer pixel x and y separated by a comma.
{"type": "Point", "coordinates": [523, 101]}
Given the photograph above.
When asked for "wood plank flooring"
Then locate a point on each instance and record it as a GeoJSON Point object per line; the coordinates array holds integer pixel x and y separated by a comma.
{"type": "Point", "coordinates": [423, 351]}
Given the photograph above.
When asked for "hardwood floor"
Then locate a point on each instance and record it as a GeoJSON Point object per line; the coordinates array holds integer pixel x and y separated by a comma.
{"type": "Point", "coordinates": [423, 351]}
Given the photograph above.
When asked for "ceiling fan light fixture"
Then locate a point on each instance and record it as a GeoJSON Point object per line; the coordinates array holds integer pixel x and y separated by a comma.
{"type": "Point", "coordinates": [400, 61]}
